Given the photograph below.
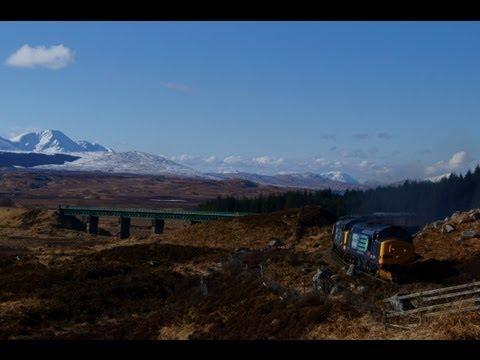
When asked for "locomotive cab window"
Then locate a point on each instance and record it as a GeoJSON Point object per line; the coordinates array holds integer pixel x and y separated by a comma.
{"type": "Point", "coordinates": [360, 242]}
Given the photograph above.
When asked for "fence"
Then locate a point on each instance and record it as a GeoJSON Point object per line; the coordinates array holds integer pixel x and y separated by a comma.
{"type": "Point", "coordinates": [417, 306]}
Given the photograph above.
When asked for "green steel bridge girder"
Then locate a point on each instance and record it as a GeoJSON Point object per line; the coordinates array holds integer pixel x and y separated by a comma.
{"type": "Point", "coordinates": [165, 214]}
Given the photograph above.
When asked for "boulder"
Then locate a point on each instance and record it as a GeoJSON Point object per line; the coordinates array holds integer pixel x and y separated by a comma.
{"type": "Point", "coordinates": [465, 220]}
{"type": "Point", "coordinates": [335, 289]}
{"type": "Point", "coordinates": [360, 289]}
{"type": "Point", "coordinates": [305, 269]}
{"type": "Point", "coordinates": [321, 280]}
{"type": "Point", "coordinates": [323, 274]}
{"type": "Point", "coordinates": [475, 215]}
{"type": "Point", "coordinates": [455, 214]}
{"type": "Point", "coordinates": [203, 287]}
{"type": "Point", "coordinates": [335, 277]}
{"type": "Point", "coordinates": [276, 243]}
{"type": "Point", "coordinates": [448, 228]}
{"type": "Point", "coordinates": [154, 263]}
{"type": "Point", "coordinates": [351, 270]}
{"type": "Point", "coordinates": [470, 234]}
{"type": "Point", "coordinates": [241, 250]}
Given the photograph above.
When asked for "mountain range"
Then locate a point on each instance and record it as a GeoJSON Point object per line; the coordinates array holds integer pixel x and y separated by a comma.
{"type": "Point", "coordinates": [334, 180]}
{"type": "Point", "coordinates": [90, 156]}
{"type": "Point", "coordinates": [49, 142]}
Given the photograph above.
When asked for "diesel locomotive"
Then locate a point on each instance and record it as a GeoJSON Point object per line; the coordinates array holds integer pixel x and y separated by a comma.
{"type": "Point", "coordinates": [377, 248]}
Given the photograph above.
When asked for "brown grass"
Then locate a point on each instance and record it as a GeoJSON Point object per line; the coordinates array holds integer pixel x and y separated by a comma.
{"type": "Point", "coordinates": [60, 283]}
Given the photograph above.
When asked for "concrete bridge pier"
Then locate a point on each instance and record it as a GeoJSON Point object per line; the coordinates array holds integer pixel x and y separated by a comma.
{"type": "Point", "coordinates": [157, 226]}
{"type": "Point", "coordinates": [123, 227]}
{"type": "Point", "coordinates": [92, 225]}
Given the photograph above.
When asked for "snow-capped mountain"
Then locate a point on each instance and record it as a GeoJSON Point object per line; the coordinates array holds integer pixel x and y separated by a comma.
{"type": "Point", "coordinates": [90, 156]}
{"type": "Point", "coordinates": [7, 145]}
{"type": "Point", "coordinates": [92, 146]}
{"type": "Point", "coordinates": [132, 162]}
{"type": "Point", "coordinates": [340, 176]}
{"type": "Point", "coordinates": [52, 142]}
{"type": "Point", "coordinates": [438, 178]}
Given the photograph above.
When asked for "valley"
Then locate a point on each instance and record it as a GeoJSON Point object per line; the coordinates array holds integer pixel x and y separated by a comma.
{"type": "Point", "coordinates": [48, 189]}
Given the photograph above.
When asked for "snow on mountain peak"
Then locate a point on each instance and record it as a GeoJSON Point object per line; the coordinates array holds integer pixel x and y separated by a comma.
{"type": "Point", "coordinates": [92, 146]}
{"type": "Point", "coordinates": [340, 177]}
{"type": "Point", "coordinates": [438, 178]}
{"type": "Point", "coordinates": [133, 162]}
{"type": "Point", "coordinates": [52, 142]}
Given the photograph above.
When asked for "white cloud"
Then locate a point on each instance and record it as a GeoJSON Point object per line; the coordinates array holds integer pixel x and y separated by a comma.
{"type": "Point", "coordinates": [458, 159]}
{"type": "Point", "coordinates": [352, 162]}
{"type": "Point", "coordinates": [14, 131]}
{"type": "Point", "coordinates": [176, 87]}
{"type": "Point", "coordinates": [53, 57]}
{"type": "Point", "coordinates": [211, 159]}
{"type": "Point", "coordinates": [457, 162]}
{"type": "Point", "coordinates": [233, 159]}
{"type": "Point", "coordinates": [321, 161]}
{"type": "Point", "coordinates": [266, 160]}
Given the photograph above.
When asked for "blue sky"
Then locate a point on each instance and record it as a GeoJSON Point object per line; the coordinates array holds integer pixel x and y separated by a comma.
{"type": "Point", "coordinates": [376, 99]}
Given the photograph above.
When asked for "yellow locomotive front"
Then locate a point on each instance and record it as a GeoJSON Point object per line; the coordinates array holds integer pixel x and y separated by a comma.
{"type": "Point", "coordinates": [395, 255]}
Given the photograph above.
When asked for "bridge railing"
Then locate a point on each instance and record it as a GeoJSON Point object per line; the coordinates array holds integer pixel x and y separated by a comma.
{"type": "Point", "coordinates": [147, 213]}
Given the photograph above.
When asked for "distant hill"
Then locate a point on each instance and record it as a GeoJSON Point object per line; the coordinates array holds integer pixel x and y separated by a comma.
{"type": "Point", "coordinates": [7, 145]}
{"type": "Point", "coordinates": [28, 160]}
{"type": "Point", "coordinates": [333, 180]}
{"type": "Point", "coordinates": [131, 162]}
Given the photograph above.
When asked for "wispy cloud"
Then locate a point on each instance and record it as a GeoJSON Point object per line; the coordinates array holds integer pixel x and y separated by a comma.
{"type": "Point", "coordinates": [330, 137]}
{"type": "Point", "coordinates": [14, 131]}
{"type": "Point", "coordinates": [53, 57]}
{"type": "Point", "coordinates": [384, 135]}
{"type": "Point", "coordinates": [177, 87]}
{"type": "Point", "coordinates": [267, 160]}
{"type": "Point", "coordinates": [361, 136]}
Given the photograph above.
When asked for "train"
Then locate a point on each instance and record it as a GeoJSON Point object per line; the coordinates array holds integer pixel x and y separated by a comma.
{"type": "Point", "coordinates": [373, 246]}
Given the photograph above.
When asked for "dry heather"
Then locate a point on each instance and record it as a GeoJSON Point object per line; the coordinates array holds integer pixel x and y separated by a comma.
{"type": "Point", "coordinates": [256, 231]}
{"type": "Point", "coordinates": [246, 278]}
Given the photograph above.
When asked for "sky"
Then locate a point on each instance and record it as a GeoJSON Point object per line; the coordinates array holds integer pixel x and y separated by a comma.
{"type": "Point", "coordinates": [382, 101]}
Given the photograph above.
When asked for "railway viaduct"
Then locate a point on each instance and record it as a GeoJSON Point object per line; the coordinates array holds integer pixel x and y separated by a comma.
{"type": "Point", "coordinates": [157, 216]}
